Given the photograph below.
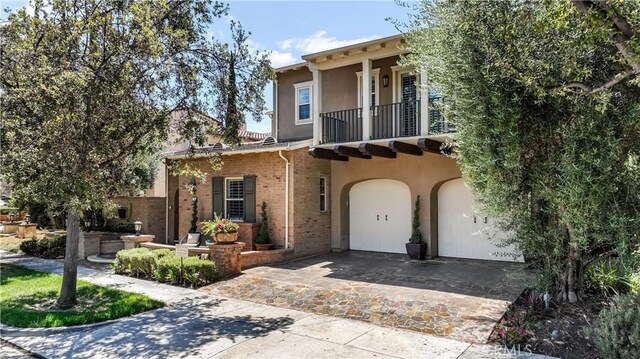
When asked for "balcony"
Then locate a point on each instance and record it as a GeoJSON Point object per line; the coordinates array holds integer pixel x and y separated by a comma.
{"type": "Point", "coordinates": [395, 120]}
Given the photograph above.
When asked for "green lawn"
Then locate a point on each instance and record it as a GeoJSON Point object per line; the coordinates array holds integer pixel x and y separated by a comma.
{"type": "Point", "coordinates": [26, 297]}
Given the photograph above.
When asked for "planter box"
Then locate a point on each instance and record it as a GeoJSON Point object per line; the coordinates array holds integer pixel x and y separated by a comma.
{"type": "Point", "coordinates": [27, 230]}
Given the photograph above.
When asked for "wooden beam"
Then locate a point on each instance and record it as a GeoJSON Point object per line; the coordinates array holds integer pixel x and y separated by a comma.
{"type": "Point", "coordinates": [397, 146]}
{"type": "Point", "coordinates": [326, 154]}
{"type": "Point", "coordinates": [429, 145]}
{"type": "Point", "coordinates": [375, 150]}
{"type": "Point", "coordinates": [350, 151]}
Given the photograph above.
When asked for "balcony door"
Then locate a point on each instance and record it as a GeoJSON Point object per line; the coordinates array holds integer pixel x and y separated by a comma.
{"type": "Point", "coordinates": [408, 96]}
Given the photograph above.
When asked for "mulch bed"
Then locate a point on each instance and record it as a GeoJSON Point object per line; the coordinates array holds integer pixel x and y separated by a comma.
{"type": "Point", "coordinates": [571, 322]}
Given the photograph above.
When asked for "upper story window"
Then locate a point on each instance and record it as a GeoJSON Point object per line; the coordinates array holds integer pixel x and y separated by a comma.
{"type": "Point", "coordinates": [304, 109]}
{"type": "Point", "coordinates": [375, 84]}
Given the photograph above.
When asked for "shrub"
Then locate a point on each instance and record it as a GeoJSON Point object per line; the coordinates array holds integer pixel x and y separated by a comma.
{"type": "Point", "coordinates": [611, 277]}
{"type": "Point", "coordinates": [44, 248]}
{"type": "Point", "coordinates": [263, 235]}
{"type": "Point", "coordinates": [163, 265]}
{"type": "Point", "coordinates": [136, 262]}
{"type": "Point", "coordinates": [617, 330]}
{"type": "Point", "coordinates": [191, 271]}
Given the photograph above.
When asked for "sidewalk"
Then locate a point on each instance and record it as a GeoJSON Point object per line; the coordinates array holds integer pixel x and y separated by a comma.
{"type": "Point", "coordinates": [195, 325]}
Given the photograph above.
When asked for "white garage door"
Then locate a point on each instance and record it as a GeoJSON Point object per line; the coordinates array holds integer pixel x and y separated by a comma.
{"type": "Point", "coordinates": [379, 216]}
{"type": "Point", "coordinates": [463, 232]}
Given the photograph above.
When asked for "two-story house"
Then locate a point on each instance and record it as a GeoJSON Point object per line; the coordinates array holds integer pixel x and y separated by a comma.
{"type": "Point", "coordinates": [356, 138]}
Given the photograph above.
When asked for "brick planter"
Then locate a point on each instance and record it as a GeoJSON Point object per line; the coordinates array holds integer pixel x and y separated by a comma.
{"type": "Point", "coordinates": [227, 258]}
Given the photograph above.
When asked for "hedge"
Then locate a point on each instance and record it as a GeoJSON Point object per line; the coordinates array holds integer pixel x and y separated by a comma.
{"type": "Point", "coordinates": [45, 248]}
{"type": "Point", "coordinates": [617, 330]}
{"type": "Point", "coordinates": [163, 265]}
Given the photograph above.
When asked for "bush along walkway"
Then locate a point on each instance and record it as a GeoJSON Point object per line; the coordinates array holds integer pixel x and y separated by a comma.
{"type": "Point", "coordinates": [158, 291]}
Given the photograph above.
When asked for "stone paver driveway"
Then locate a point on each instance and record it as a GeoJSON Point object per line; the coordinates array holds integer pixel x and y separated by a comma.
{"type": "Point", "coordinates": [459, 299]}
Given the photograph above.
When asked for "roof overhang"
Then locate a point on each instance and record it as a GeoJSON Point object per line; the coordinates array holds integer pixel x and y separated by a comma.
{"type": "Point", "coordinates": [374, 49]}
{"type": "Point", "coordinates": [385, 148]}
{"type": "Point", "coordinates": [243, 149]}
{"type": "Point", "coordinates": [298, 66]}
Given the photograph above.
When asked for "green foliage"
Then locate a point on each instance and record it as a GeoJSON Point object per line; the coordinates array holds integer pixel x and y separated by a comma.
{"type": "Point", "coordinates": [617, 330]}
{"type": "Point", "coordinates": [416, 235]}
{"type": "Point", "coordinates": [557, 163]}
{"type": "Point", "coordinates": [611, 277]}
{"type": "Point", "coordinates": [218, 225]}
{"type": "Point", "coordinates": [164, 266]}
{"type": "Point", "coordinates": [22, 290]}
{"type": "Point", "coordinates": [194, 213]}
{"type": "Point", "coordinates": [44, 248]}
{"type": "Point", "coordinates": [263, 234]}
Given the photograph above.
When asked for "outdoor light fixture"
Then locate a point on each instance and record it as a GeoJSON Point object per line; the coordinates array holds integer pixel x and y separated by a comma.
{"type": "Point", "coordinates": [12, 217]}
{"type": "Point", "coordinates": [385, 81]}
{"type": "Point", "coordinates": [27, 218]}
{"type": "Point", "coordinates": [87, 223]}
{"type": "Point", "coordinates": [138, 226]}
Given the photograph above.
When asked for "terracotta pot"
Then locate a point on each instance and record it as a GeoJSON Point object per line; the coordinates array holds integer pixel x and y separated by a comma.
{"type": "Point", "coordinates": [264, 247]}
{"type": "Point", "coordinates": [226, 237]}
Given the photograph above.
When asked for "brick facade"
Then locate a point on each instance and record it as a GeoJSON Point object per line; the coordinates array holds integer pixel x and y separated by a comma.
{"type": "Point", "coordinates": [309, 229]}
{"type": "Point", "coordinates": [149, 210]}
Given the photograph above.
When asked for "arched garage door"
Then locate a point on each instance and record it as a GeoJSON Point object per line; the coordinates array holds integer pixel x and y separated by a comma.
{"type": "Point", "coordinates": [462, 232]}
{"type": "Point", "coordinates": [379, 216]}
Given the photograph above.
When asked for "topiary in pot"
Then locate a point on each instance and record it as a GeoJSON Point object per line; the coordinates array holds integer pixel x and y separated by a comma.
{"type": "Point", "coordinates": [415, 248]}
{"type": "Point", "coordinates": [263, 242]}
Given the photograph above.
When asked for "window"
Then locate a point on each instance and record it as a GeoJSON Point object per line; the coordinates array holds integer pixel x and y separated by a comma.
{"type": "Point", "coordinates": [375, 84]}
{"type": "Point", "coordinates": [234, 199]}
{"type": "Point", "coordinates": [323, 194]}
{"type": "Point", "coordinates": [304, 110]}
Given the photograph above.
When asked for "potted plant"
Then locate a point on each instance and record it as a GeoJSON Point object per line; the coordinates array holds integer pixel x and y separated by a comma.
{"type": "Point", "coordinates": [193, 238]}
{"type": "Point", "coordinates": [263, 242]}
{"type": "Point", "coordinates": [415, 248]}
{"type": "Point", "coordinates": [223, 230]}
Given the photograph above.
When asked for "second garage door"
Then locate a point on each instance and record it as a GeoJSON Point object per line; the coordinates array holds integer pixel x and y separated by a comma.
{"type": "Point", "coordinates": [462, 231]}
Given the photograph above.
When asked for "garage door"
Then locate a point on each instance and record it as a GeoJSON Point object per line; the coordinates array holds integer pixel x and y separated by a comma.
{"type": "Point", "coordinates": [462, 231]}
{"type": "Point", "coordinates": [379, 216]}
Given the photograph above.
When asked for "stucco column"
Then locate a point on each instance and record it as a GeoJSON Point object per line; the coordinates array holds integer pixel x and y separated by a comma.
{"type": "Point", "coordinates": [424, 103]}
{"type": "Point", "coordinates": [317, 105]}
{"type": "Point", "coordinates": [366, 99]}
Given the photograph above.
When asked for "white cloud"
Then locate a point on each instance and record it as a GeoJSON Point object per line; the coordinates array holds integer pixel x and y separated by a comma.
{"type": "Point", "coordinates": [319, 41]}
{"type": "Point", "coordinates": [279, 59]}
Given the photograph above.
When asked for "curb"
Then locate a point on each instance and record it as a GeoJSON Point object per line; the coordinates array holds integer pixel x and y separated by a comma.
{"type": "Point", "coordinates": [7, 331]}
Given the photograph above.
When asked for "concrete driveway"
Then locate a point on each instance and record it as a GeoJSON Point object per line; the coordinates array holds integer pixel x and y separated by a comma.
{"type": "Point", "coordinates": [454, 298]}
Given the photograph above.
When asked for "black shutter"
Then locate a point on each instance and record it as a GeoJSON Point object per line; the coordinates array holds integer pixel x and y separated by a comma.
{"type": "Point", "coordinates": [217, 195]}
{"type": "Point", "coordinates": [250, 199]}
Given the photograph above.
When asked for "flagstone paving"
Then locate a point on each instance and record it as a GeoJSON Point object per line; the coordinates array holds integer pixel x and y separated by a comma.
{"type": "Point", "coordinates": [463, 306]}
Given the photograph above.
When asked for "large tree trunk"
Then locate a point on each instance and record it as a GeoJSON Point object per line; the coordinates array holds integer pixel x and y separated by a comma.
{"type": "Point", "coordinates": [572, 276]}
{"type": "Point", "coordinates": [67, 297]}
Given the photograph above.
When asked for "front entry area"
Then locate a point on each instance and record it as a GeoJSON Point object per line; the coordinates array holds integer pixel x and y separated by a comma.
{"type": "Point", "coordinates": [379, 216]}
{"type": "Point", "coordinates": [462, 231]}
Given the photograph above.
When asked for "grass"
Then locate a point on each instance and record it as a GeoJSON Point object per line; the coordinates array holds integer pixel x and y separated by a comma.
{"type": "Point", "coordinates": [27, 296]}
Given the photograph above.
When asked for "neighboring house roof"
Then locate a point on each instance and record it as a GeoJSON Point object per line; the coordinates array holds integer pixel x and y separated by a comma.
{"type": "Point", "coordinates": [250, 135]}
{"type": "Point", "coordinates": [267, 145]}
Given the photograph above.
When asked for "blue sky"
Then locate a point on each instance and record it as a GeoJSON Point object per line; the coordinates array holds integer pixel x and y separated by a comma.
{"type": "Point", "coordinates": [290, 29]}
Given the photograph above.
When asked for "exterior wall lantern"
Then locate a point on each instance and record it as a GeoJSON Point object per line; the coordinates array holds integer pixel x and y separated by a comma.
{"type": "Point", "coordinates": [12, 217]}
{"type": "Point", "coordinates": [385, 81]}
{"type": "Point", "coordinates": [138, 226]}
{"type": "Point", "coordinates": [27, 218]}
{"type": "Point", "coordinates": [87, 223]}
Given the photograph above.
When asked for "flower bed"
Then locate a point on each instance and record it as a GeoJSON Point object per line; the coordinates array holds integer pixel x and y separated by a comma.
{"type": "Point", "coordinates": [163, 265]}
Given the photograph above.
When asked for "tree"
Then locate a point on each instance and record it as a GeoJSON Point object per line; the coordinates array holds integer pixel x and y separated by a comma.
{"type": "Point", "coordinates": [545, 98]}
{"type": "Point", "coordinates": [87, 88]}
